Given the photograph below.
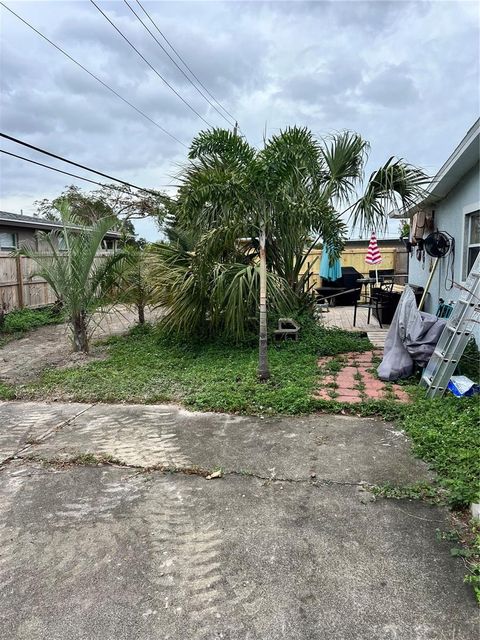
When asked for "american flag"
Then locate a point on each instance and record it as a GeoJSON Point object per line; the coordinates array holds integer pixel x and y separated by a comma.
{"type": "Point", "coordinates": [373, 254]}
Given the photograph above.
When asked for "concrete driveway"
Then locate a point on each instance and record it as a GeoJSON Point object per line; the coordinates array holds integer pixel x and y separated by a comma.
{"type": "Point", "coordinates": [287, 545]}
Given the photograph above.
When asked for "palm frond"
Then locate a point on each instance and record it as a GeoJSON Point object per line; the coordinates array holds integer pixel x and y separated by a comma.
{"type": "Point", "coordinates": [395, 185]}
{"type": "Point", "coordinates": [345, 155]}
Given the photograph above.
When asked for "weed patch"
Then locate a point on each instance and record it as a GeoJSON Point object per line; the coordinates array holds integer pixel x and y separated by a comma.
{"type": "Point", "coordinates": [20, 321]}
{"type": "Point", "coordinates": [150, 366]}
{"type": "Point", "coordinates": [445, 434]}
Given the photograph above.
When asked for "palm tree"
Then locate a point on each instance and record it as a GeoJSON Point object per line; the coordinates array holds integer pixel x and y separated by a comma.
{"type": "Point", "coordinates": [232, 191]}
{"type": "Point", "coordinates": [79, 278]}
{"type": "Point", "coordinates": [136, 288]}
{"type": "Point", "coordinates": [282, 199]}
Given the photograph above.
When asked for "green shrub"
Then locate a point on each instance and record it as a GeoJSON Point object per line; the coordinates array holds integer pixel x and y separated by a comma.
{"type": "Point", "coordinates": [22, 320]}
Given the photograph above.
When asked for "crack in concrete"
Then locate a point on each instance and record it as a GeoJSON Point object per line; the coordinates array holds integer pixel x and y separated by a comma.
{"type": "Point", "coordinates": [43, 436]}
{"type": "Point", "coordinates": [90, 459]}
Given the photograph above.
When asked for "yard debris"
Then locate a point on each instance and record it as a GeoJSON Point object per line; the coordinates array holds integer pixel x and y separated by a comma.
{"type": "Point", "coordinates": [215, 474]}
{"type": "Point", "coordinates": [461, 386]}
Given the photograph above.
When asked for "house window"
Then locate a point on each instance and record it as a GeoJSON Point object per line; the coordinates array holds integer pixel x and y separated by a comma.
{"type": "Point", "coordinates": [8, 241]}
{"type": "Point", "coordinates": [108, 244]}
{"type": "Point", "coordinates": [62, 245]}
{"type": "Point", "coordinates": [472, 241]}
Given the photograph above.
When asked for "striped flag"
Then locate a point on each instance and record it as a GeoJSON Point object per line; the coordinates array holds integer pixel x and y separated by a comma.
{"type": "Point", "coordinates": [373, 254]}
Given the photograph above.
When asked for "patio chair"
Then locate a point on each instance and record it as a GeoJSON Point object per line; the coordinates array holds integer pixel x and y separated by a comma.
{"type": "Point", "coordinates": [377, 300]}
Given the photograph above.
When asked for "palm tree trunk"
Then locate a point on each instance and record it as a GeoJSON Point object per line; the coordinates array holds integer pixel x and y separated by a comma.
{"type": "Point", "coordinates": [80, 337]}
{"type": "Point", "coordinates": [141, 313]}
{"type": "Point", "coordinates": [263, 371]}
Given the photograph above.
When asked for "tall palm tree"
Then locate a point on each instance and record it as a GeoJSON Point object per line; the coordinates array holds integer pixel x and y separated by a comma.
{"type": "Point", "coordinates": [283, 198]}
{"type": "Point", "coordinates": [232, 191]}
{"type": "Point", "coordinates": [79, 278]}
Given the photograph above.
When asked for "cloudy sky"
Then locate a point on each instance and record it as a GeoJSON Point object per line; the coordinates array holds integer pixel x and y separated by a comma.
{"type": "Point", "coordinates": [403, 74]}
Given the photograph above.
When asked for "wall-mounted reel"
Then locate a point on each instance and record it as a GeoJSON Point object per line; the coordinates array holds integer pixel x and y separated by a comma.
{"type": "Point", "coordinates": [438, 245]}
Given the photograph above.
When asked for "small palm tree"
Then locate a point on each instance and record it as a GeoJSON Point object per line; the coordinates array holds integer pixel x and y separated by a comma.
{"type": "Point", "coordinates": [136, 288]}
{"type": "Point", "coordinates": [79, 278]}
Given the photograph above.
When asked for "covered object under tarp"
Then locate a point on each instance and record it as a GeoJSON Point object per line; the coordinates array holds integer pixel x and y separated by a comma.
{"type": "Point", "coordinates": [410, 340]}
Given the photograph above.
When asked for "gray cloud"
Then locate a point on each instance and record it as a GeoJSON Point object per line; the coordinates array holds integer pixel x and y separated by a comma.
{"type": "Point", "coordinates": [391, 87]}
{"type": "Point", "coordinates": [389, 70]}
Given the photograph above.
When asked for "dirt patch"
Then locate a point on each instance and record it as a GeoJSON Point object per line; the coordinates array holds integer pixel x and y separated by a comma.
{"type": "Point", "coordinates": [23, 360]}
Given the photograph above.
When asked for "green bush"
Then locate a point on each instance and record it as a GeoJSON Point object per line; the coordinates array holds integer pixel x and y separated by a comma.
{"type": "Point", "coordinates": [22, 320]}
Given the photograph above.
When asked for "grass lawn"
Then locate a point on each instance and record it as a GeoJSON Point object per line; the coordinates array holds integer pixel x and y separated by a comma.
{"type": "Point", "coordinates": [446, 434]}
{"type": "Point", "coordinates": [148, 366]}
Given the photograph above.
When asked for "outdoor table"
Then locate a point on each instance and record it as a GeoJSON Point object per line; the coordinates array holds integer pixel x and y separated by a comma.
{"type": "Point", "coordinates": [365, 282]}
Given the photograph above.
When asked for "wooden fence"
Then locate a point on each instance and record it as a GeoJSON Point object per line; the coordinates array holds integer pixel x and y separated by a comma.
{"type": "Point", "coordinates": [18, 287]}
{"type": "Point", "coordinates": [394, 258]}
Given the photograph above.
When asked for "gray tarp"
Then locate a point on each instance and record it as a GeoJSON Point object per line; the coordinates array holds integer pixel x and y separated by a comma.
{"type": "Point", "coordinates": [411, 339]}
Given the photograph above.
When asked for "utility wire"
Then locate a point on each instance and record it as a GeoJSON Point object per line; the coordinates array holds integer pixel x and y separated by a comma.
{"type": "Point", "coordinates": [47, 166]}
{"type": "Point", "coordinates": [183, 61]}
{"type": "Point", "coordinates": [174, 61]}
{"type": "Point", "coordinates": [76, 164]}
{"type": "Point", "coordinates": [67, 173]}
{"type": "Point", "coordinates": [150, 65]}
{"type": "Point", "coordinates": [94, 76]}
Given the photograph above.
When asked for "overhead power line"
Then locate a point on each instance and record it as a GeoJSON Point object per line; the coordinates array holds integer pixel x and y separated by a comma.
{"type": "Point", "coordinates": [107, 86]}
{"type": "Point", "coordinates": [67, 173]}
{"type": "Point", "coordinates": [184, 63]}
{"type": "Point", "coordinates": [197, 113]}
{"type": "Point", "coordinates": [76, 164]}
{"type": "Point", "coordinates": [47, 166]}
{"type": "Point", "coordinates": [175, 62]}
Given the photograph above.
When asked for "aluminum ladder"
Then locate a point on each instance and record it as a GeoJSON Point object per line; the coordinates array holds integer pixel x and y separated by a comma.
{"type": "Point", "coordinates": [451, 345]}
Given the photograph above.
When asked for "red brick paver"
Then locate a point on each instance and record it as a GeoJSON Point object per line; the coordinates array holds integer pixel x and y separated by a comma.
{"type": "Point", "coordinates": [347, 391]}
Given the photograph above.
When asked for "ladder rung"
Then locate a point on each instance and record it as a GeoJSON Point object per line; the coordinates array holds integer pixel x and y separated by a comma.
{"type": "Point", "coordinates": [443, 356]}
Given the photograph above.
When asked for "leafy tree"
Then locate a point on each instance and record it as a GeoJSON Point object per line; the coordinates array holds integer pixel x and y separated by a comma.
{"type": "Point", "coordinates": [79, 278]}
{"type": "Point", "coordinates": [273, 203]}
{"type": "Point", "coordinates": [123, 203]}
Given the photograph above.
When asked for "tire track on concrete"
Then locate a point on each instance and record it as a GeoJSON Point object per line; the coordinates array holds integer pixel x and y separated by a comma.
{"type": "Point", "coordinates": [133, 437]}
{"type": "Point", "coordinates": [32, 425]}
{"type": "Point", "coordinates": [188, 566]}
{"type": "Point", "coordinates": [68, 543]}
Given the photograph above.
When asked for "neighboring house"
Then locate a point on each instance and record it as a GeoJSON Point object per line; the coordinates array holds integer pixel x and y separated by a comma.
{"type": "Point", "coordinates": [19, 287]}
{"type": "Point", "coordinates": [452, 204]}
{"type": "Point", "coordinates": [17, 230]}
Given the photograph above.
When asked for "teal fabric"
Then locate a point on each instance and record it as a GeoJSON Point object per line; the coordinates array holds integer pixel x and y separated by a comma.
{"type": "Point", "coordinates": [329, 271]}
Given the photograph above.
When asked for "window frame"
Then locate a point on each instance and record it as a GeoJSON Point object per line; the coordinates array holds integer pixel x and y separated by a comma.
{"type": "Point", "coordinates": [14, 236]}
{"type": "Point", "coordinates": [468, 213]}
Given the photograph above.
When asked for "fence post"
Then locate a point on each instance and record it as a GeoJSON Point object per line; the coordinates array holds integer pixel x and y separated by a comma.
{"type": "Point", "coordinates": [19, 282]}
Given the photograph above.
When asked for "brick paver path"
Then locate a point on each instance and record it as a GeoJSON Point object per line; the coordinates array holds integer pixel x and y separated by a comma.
{"type": "Point", "coordinates": [351, 378]}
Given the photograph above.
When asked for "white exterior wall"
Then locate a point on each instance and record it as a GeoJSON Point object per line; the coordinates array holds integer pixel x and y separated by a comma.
{"type": "Point", "coordinates": [450, 216]}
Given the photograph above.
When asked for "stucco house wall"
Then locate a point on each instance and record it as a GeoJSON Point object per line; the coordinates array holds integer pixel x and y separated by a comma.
{"type": "Point", "coordinates": [450, 216]}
